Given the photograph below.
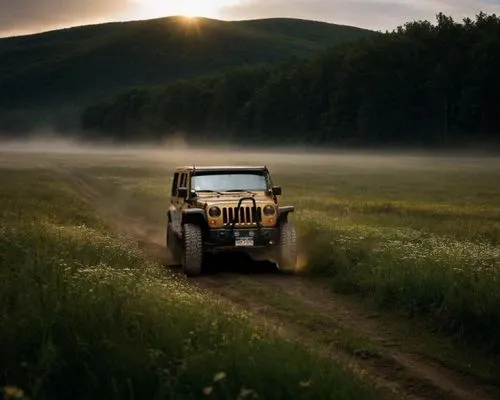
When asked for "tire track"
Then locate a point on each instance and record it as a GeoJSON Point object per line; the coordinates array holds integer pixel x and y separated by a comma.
{"type": "Point", "coordinates": [410, 374]}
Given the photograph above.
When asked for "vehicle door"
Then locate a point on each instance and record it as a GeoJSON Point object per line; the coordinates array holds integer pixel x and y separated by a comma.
{"type": "Point", "coordinates": [185, 182]}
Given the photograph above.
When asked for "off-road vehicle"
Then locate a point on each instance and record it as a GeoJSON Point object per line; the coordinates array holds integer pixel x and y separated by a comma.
{"type": "Point", "coordinates": [235, 208]}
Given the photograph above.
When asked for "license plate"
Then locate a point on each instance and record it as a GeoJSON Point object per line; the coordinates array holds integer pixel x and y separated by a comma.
{"type": "Point", "coordinates": [244, 242]}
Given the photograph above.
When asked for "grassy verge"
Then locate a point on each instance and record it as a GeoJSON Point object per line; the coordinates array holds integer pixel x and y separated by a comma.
{"type": "Point", "coordinates": [82, 315]}
{"type": "Point", "coordinates": [415, 270]}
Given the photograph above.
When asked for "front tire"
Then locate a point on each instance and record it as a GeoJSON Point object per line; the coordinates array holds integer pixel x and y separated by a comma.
{"type": "Point", "coordinates": [287, 252]}
{"type": "Point", "coordinates": [192, 252]}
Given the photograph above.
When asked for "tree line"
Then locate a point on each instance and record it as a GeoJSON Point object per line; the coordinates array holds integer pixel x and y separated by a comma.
{"type": "Point", "coordinates": [421, 84]}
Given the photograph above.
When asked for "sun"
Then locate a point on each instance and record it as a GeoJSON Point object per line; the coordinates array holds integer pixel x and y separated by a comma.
{"type": "Point", "coordinates": [190, 13]}
{"type": "Point", "coordinates": [190, 9]}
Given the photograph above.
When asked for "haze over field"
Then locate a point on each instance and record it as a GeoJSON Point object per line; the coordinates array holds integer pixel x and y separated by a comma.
{"type": "Point", "coordinates": [175, 151]}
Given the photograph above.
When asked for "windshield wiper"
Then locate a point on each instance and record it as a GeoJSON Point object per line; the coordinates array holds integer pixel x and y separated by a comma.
{"type": "Point", "coordinates": [209, 191]}
{"type": "Point", "coordinates": [241, 191]}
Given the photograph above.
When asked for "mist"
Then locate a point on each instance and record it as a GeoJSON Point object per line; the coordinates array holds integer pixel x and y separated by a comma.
{"type": "Point", "coordinates": [177, 151]}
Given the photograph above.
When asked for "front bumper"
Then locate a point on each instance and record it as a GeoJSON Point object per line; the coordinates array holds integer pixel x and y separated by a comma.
{"type": "Point", "coordinates": [241, 239]}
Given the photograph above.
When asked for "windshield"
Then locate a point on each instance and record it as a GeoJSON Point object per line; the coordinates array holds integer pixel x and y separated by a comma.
{"type": "Point", "coordinates": [229, 182]}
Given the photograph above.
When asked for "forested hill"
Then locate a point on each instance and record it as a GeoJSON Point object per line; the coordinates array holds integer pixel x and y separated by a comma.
{"type": "Point", "coordinates": [71, 68]}
{"type": "Point", "coordinates": [424, 83]}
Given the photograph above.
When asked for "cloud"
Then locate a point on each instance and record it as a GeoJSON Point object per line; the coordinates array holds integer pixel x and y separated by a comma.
{"type": "Point", "coordinates": [374, 14]}
{"type": "Point", "coordinates": [19, 16]}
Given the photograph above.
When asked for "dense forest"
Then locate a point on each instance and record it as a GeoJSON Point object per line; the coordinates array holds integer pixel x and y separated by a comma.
{"type": "Point", "coordinates": [421, 84]}
{"type": "Point", "coordinates": [53, 76]}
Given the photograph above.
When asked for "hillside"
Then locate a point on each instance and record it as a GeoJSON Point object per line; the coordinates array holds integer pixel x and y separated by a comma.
{"type": "Point", "coordinates": [72, 67]}
{"type": "Point", "coordinates": [421, 84]}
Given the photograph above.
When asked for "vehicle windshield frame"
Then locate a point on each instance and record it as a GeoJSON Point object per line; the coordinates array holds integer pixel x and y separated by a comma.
{"type": "Point", "coordinates": [237, 187]}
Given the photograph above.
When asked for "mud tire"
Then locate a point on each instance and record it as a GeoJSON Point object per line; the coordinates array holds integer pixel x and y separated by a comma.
{"type": "Point", "coordinates": [173, 248]}
{"type": "Point", "coordinates": [287, 251]}
{"type": "Point", "coordinates": [192, 252]}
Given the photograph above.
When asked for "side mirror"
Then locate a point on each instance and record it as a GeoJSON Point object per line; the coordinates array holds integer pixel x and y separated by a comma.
{"type": "Point", "coordinates": [182, 192]}
{"type": "Point", "coordinates": [277, 190]}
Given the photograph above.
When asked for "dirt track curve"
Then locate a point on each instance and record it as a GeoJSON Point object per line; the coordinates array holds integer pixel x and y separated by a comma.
{"type": "Point", "coordinates": [307, 312]}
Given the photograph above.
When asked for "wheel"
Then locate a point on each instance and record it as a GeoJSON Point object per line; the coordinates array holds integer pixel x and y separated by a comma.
{"type": "Point", "coordinates": [173, 246]}
{"type": "Point", "coordinates": [287, 251]}
{"type": "Point", "coordinates": [192, 251]}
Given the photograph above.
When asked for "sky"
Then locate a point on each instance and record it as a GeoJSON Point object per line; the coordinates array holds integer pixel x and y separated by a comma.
{"type": "Point", "coordinates": [31, 16]}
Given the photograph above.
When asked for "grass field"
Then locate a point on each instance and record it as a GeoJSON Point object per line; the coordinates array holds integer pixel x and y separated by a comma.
{"type": "Point", "coordinates": [419, 234]}
{"type": "Point", "coordinates": [86, 313]}
{"type": "Point", "coordinates": [422, 239]}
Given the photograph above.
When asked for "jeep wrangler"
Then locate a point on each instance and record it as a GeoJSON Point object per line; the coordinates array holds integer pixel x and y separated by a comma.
{"type": "Point", "coordinates": [216, 209]}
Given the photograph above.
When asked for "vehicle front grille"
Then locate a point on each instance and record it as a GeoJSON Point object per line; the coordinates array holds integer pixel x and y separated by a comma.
{"type": "Point", "coordinates": [243, 216]}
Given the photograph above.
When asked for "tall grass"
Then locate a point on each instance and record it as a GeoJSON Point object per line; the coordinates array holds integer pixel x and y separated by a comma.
{"type": "Point", "coordinates": [453, 282]}
{"type": "Point", "coordinates": [84, 315]}
{"type": "Point", "coordinates": [427, 257]}
{"type": "Point", "coordinates": [417, 234]}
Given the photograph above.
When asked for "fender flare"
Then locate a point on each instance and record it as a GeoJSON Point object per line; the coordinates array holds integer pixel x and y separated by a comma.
{"type": "Point", "coordinates": [194, 216]}
{"type": "Point", "coordinates": [283, 213]}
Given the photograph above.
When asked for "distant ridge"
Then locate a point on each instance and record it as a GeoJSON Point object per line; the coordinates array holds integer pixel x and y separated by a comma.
{"type": "Point", "coordinates": [69, 68]}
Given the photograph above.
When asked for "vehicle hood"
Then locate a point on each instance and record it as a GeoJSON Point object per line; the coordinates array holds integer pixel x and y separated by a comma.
{"type": "Point", "coordinates": [233, 199]}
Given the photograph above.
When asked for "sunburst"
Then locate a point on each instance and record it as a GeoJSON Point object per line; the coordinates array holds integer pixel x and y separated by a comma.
{"type": "Point", "coordinates": [190, 9]}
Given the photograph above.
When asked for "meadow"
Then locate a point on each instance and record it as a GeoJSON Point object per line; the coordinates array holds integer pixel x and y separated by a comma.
{"type": "Point", "coordinates": [418, 234]}
{"type": "Point", "coordinates": [86, 314]}
{"type": "Point", "coordinates": [421, 237]}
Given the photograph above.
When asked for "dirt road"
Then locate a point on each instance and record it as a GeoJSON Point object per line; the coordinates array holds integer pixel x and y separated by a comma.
{"type": "Point", "coordinates": [308, 312]}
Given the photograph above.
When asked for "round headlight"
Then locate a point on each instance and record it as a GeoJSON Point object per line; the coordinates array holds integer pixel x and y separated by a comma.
{"type": "Point", "coordinates": [269, 210]}
{"type": "Point", "coordinates": [214, 212]}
